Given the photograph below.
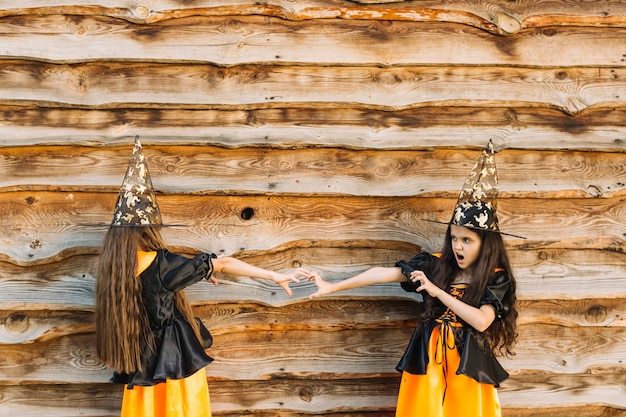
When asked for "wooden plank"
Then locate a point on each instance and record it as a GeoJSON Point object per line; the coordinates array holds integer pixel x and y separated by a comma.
{"type": "Point", "coordinates": [28, 326]}
{"type": "Point", "coordinates": [491, 16]}
{"type": "Point", "coordinates": [114, 85]}
{"type": "Point", "coordinates": [355, 352]}
{"type": "Point", "coordinates": [559, 271]}
{"type": "Point", "coordinates": [67, 400]}
{"type": "Point", "coordinates": [327, 314]}
{"type": "Point", "coordinates": [291, 128]}
{"type": "Point", "coordinates": [286, 397]}
{"type": "Point", "coordinates": [67, 281]}
{"type": "Point", "coordinates": [253, 355]}
{"type": "Point", "coordinates": [38, 225]}
{"type": "Point", "coordinates": [200, 169]}
{"type": "Point", "coordinates": [568, 350]}
{"type": "Point", "coordinates": [541, 275]}
{"type": "Point", "coordinates": [104, 400]}
{"type": "Point", "coordinates": [555, 390]}
{"type": "Point", "coordinates": [71, 38]}
{"type": "Point", "coordinates": [565, 411]}
{"type": "Point", "coordinates": [223, 317]}
{"type": "Point", "coordinates": [587, 312]}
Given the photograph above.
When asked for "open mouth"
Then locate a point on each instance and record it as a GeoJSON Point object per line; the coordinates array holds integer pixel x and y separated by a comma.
{"type": "Point", "coordinates": [460, 257]}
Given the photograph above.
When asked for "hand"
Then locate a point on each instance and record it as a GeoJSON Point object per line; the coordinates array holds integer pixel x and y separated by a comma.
{"type": "Point", "coordinates": [323, 287]}
{"type": "Point", "coordinates": [425, 284]}
{"type": "Point", "coordinates": [285, 279]}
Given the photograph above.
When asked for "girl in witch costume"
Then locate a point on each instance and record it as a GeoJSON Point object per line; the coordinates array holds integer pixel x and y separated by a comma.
{"type": "Point", "coordinates": [145, 329]}
{"type": "Point", "coordinates": [449, 368]}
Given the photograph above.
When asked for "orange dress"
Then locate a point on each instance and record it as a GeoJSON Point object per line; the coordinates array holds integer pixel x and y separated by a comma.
{"type": "Point", "coordinates": [187, 397]}
{"type": "Point", "coordinates": [441, 391]}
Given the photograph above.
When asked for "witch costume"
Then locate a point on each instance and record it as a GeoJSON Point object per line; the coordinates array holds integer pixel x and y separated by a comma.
{"type": "Point", "coordinates": [446, 371]}
{"type": "Point", "coordinates": [172, 379]}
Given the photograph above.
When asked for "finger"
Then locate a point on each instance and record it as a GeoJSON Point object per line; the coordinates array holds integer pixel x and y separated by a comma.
{"type": "Point", "coordinates": [285, 285]}
{"type": "Point", "coordinates": [304, 272]}
{"type": "Point", "coordinates": [310, 275]}
{"type": "Point", "coordinates": [313, 276]}
{"type": "Point", "coordinates": [301, 273]}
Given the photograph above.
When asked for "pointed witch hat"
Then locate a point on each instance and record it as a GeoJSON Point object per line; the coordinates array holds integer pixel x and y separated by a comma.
{"type": "Point", "coordinates": [476, 205]}
{"type": "Point", "coordinates": [136, 203]}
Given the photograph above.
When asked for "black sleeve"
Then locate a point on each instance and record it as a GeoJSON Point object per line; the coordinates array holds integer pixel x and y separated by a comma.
{"type": "Point", "coordinates": [497, 294]}
{"type": "Point", "coordinates": [179, 272]}
{"type": "Point", "coordinates": [423, 261]}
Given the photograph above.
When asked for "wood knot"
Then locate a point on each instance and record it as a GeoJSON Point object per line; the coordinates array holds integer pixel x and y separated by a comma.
{"type": "Point", "coordinates": [142, 11]}
{"type": "Point", "coordinates": [305, 394]}
{"type": "Point", "coordinates": [247, 213]}
{"type": "Point", "coordinates": [16, 323]}
{"type": "Point", "coordinates": [596, 314]}
{"type": "Point", "coordinates": [594, 191]}
{"type": "Point", "coordinates": [508, 23]}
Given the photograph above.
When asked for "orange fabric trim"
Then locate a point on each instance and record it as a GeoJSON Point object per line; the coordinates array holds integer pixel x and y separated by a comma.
{"type": "Point", "coordinates": [188, 397]}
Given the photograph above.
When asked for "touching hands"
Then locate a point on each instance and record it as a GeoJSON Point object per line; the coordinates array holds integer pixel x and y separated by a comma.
{"type": "Point", "coordinates": [323, 287]}
{"type": "Point", "coordinates": [285, 279]}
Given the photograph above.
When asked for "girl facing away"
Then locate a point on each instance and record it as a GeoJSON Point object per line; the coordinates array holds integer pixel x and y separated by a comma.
{"type": "Point", "coordinates": [449, 368]}
{"type": "Point", "coordinates": [145, 328]}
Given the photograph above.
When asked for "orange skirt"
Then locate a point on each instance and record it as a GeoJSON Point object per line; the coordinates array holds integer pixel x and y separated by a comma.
{"type": "Point", "coordinates": [188, 397]}
{"type": "Point", "coordinates": [423, 395]}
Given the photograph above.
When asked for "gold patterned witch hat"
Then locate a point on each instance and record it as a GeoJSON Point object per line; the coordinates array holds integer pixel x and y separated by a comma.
{"type": "Point", "coordinates": [476, 205]}
{"type": "Point", "coordinates": [136, 203]}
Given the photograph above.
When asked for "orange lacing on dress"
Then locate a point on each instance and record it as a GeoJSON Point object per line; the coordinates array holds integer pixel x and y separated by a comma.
{"type": "Point", "coordinates": [447, 321]}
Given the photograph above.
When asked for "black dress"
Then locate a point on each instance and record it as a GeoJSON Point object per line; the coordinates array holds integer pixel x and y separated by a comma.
{"type": "Point", "coordinates": [178, 352]}
{"type": "Point", "coordinates": [476, 362]}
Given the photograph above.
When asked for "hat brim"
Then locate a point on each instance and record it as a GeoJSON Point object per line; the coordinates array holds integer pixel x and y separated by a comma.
{"type": "Point", "coordinates": [474, 228]}
{"type": "Point", "coordinates": [130, 225]}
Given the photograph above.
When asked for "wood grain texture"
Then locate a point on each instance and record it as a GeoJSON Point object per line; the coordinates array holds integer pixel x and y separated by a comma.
{"type": "Point", "coordinates": [297, 127]}
{"type": "Point", "coordinates": [272, 349]}
{"type": "Point", "coordinates": [262, 40]}
{"type": "Point", "coordinates": [113, 85]}
{"type": "Point", "coordinates": [396, 173]}
{"type": "Point", "coordinates": [39, 225]}
{"type": "Point", "coordinates": [223, 316]}
{"type": "Point", "coordinates": [104, 400]}
{"type": "Point", "coordinates": [317, 133]}
{"type": "Point", "coordinates": [542, 276]}
{"type": "Point", "coordinates": [580, 390]}
{"type": "Point", "coordinates": [491, 16]}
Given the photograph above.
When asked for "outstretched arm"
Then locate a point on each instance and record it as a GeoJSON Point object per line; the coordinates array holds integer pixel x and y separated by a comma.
{"type": "Point", "coordinates": [377, 275]}
{"type": "Point", "coordinates": [235, 266]}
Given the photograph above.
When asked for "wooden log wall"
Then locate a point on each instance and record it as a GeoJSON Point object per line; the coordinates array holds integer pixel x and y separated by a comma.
{"type": "Point", "coordinates": [318, 133]}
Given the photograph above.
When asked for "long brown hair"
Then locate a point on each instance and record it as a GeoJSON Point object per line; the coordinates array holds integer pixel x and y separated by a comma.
{"type": "Point", "coordinates": [501, 335]}
{"type": "Point", "coordinates": [122, 326]}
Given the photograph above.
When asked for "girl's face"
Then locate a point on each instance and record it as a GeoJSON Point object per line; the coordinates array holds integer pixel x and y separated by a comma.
{"type": "Point", "coordinates": [466, 245]}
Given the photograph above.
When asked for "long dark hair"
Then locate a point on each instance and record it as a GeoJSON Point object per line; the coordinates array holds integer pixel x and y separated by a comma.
{"type": "Point", "coordinates": [501, 335]}
{"type": "Point", "coordinates": [122, 326]}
